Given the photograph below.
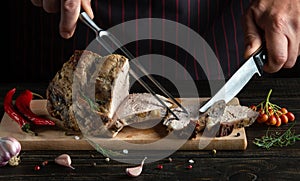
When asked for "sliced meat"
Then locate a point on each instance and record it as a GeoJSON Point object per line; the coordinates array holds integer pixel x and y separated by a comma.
{"type": "Point", "coordinates": [173, 124]}
{"type": "Point", "coordinates": [137, 108]}
{"type": "Point", "coordinates": [192, 106]}
{"type": "Point", "coordinates": [215, 114]}
{"type": "Point", "coordinates": [222, 118]}
{"type": "Point", "coordinates": [236, 117]}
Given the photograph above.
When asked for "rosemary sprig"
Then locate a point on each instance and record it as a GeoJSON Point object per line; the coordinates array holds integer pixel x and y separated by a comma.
{"type": "Point", "coordinates": [277, 139]}
{"type": "Point", "coordinates": [93, 105]}
{"type": "Point", "coordinates": [103, 151]}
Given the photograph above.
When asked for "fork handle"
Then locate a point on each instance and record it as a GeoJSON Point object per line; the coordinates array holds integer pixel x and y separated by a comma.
{"type": "Point", "coordinates": [84, 17]}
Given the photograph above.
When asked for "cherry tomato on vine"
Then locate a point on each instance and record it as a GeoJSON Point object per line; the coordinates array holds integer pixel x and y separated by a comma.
{"type": "Point", "coordinates": [272, 120]}
{"type": "Point", "coordinates": [283, 110]}
{"type": "Point", "coordinates": [261, 111]}
{"type": "Point", "coordinates": [278, 121]}
{"type": "Point", "coordinates": [262, 118]}
{"type": "Point", "coordinates": [284, 119]}
{"type": "Point", "coordinates": [271, 112]}
{"type": "Point", "coordinates": [290, 116]}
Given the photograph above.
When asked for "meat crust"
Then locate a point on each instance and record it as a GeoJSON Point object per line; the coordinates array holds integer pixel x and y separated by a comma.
{"type": "Point", "coordinates": [88, 78]}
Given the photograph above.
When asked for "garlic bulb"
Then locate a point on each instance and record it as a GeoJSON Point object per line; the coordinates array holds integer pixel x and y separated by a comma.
{"type": "Point", "coordinates": [9, 151]}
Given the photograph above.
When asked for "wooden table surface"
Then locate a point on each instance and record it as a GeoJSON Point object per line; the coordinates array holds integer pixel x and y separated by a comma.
{"type": "Point", "coordinates": [252, 164]}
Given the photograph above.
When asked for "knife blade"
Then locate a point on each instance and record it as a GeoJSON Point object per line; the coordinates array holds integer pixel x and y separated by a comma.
{"type": "Point", "coordinates": [240, 78]}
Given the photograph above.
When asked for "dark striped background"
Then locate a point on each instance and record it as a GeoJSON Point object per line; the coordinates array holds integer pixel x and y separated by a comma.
{"type": "Point", "coordinates": [36, 51]}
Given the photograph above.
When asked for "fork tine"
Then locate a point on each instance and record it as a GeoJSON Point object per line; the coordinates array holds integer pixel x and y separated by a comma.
{"type": "Point", "coordinates": [157, 84]}
{"type": "Point", "coordinates": [90, 23]}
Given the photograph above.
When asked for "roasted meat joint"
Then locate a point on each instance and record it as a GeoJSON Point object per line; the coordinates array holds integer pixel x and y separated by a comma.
{"type": "Point", "coordinates": [91, 94]}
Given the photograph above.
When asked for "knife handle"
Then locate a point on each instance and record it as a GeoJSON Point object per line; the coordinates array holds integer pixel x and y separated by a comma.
{"type": "Point", "coordinates": [260, 57]}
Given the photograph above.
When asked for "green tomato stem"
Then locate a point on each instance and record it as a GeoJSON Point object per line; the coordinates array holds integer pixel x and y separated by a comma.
{"type": "Point", "coordinates": [268, 104]}
{"type": "Point", "coordinates": [268, 97]}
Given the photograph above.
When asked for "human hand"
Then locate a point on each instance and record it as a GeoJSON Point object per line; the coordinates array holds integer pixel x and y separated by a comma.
{"type": "Point", "coordinates": [278, 23]}
{"type": "Point", "coordinates": [69, 9]}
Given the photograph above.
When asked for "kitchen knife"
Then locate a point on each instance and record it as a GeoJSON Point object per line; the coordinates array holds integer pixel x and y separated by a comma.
{"type": "Point", "coordinates": [240, 78]}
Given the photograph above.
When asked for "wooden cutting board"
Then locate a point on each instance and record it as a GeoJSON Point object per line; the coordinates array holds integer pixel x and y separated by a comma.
{"type": "Point", "coordinates": [51, 138]}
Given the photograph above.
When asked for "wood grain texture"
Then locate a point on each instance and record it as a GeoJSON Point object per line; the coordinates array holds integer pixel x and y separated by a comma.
{"type": "Point", "coordinates": [254, 163]}
{"type": "Point", "coordinates": [152, 138]}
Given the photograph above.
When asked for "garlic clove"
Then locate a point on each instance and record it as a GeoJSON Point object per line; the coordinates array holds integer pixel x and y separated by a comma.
{"type": "Point", "coordinates": [135, 171]}
{"type": "Point", "coordinates": [64, 160]}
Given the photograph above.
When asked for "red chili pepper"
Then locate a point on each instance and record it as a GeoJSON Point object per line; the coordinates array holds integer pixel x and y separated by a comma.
{"type": "Point", "coordinates": [23, 105]}
{"type": "Point", "coordinates": [13, 113]}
